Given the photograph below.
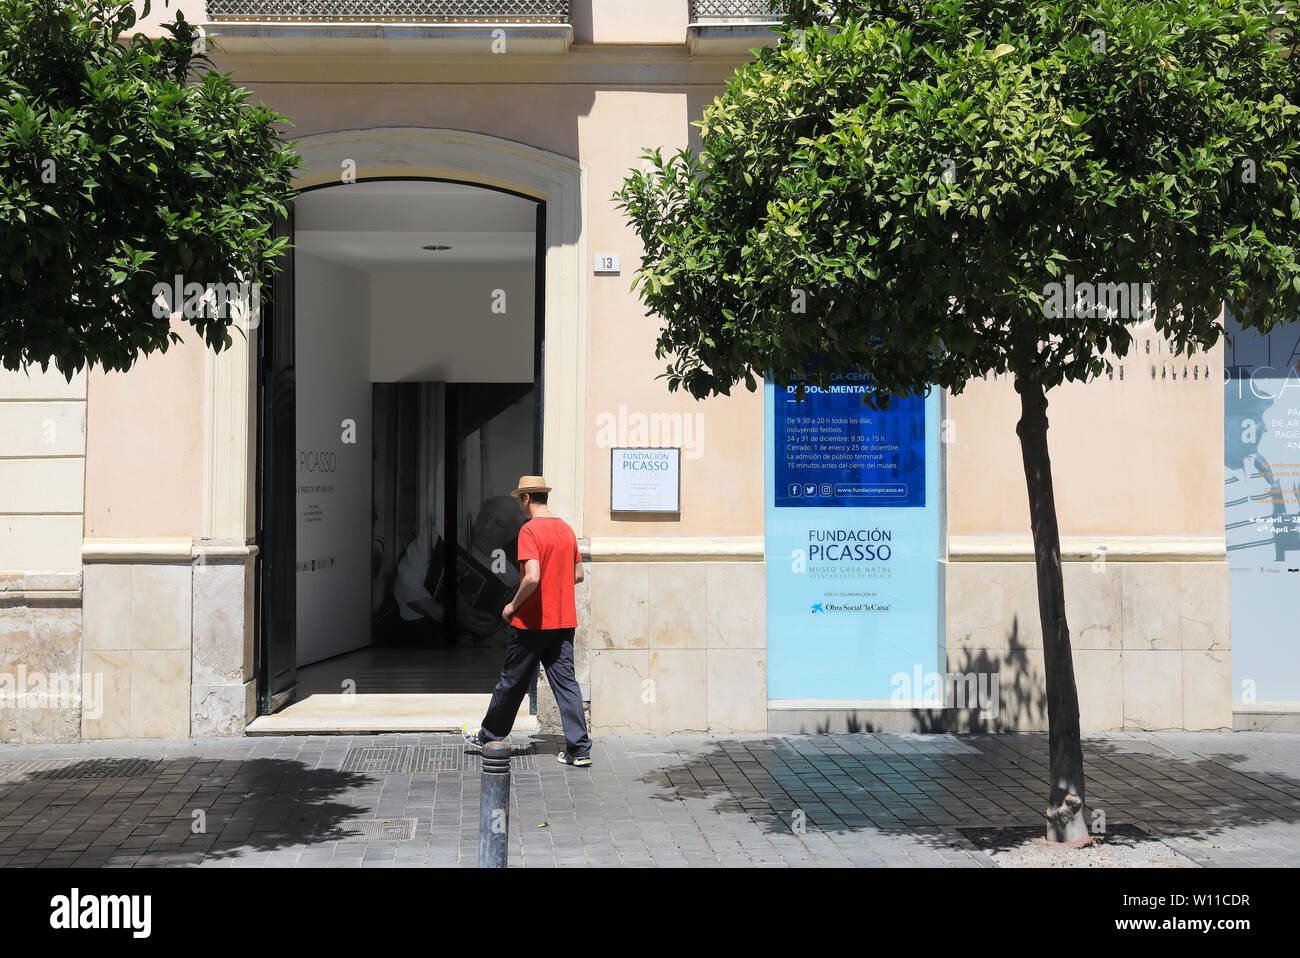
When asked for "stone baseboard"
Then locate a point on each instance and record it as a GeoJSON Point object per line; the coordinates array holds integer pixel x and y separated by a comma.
{"type": "Point", "coordinates": [1149, 641]}
{"type": "Point", "coordinates": [821, 721]}
{"type": "Point", "coordinates": [40, 652]}
{"type": "Point", "coordinates": [678, 646]}
{"type": "Point", "coordinates": [1266, 717]}
{"type": "Point", "coordinates": [221, 709]}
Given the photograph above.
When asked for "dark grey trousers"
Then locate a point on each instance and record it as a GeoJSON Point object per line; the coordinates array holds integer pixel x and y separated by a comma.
{"type": "Point", "coordinates": [525, 648]}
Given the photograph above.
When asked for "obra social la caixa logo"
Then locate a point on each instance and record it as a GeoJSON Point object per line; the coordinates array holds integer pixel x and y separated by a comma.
{"type": "Point", "coordinates": [825, 607]}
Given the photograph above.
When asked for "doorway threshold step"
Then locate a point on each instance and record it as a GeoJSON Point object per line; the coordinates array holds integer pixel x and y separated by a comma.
{"type": "Point", "coordinates": [362, 714]}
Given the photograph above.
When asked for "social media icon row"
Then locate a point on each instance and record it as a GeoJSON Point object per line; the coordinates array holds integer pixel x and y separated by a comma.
{"type": "Point", "coordinates": [826, 490]}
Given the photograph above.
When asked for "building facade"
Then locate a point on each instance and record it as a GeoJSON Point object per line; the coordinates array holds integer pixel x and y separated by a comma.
{"type": "Point", "coordinates": [185, 541]}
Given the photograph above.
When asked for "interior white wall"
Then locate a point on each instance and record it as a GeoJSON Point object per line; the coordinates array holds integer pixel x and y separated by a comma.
{"type": "Point", "coordinates": [356, 328]}
{"type": "Point", "coordinates": [333, 385]}
{"type": "Point", "coordinates": [443, 327]}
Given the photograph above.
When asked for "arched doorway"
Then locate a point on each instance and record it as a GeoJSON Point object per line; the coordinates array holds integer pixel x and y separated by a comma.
{"type": "Point", "coordinates": [368, 225]}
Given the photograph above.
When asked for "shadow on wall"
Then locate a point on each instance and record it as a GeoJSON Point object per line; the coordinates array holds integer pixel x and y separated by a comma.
{"type": "Point", "coordinates": [1019, 698]}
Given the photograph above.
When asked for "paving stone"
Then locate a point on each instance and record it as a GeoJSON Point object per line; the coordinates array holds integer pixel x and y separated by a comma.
{"type": "Point", "coordinates": [650, 801]}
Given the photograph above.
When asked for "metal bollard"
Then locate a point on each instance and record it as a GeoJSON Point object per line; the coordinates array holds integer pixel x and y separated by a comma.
{"type": "Point", "coordinates": [494, 806]}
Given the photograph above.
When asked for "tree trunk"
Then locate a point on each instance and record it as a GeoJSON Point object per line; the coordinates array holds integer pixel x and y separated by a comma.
{"type": "Point", "coordinates": [1066, 817]}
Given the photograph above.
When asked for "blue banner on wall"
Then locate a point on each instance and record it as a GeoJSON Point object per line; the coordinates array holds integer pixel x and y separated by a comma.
{"type": "Point", "coordinates": [1261, 504]}
{"type": "Point", "coordinates": [836, 452]}
{"type": "Point", "coordinates": [852, 542]}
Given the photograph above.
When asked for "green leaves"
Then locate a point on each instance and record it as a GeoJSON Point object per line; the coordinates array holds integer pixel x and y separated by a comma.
{"type": "Point", "coordinates": [122, 164]}
{"type": "Point", "coordinates": [924, 172]}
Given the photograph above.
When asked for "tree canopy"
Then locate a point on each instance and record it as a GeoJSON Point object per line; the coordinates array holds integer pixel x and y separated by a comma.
{"type": "Point", "coordinates": [919, 172]}
{"type": "Point", "coordinates": [125, 161]}
{"type": "Point", "coordinates": [927, 191]}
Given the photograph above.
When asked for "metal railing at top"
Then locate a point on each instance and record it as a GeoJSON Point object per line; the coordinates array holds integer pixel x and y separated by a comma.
{"type": "Point", "coordinates": [372, 11]}
{"type": "Point", "coordinates": [703, 10]}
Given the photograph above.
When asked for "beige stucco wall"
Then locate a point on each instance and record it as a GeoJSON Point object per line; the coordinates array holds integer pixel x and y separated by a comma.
{"type": "Point", "coordinates": [622, 369]}
{"type": "Point", "coordinates": [1131, 458]}
{"type": "Point", "coordinates": [42, 463]}
{"type": "Point", "coordinates": [172, 661]}
{"type": "Point", "coordinates": [1137, 456]}
{"type": "Point", "coordinates": [144, 446]}
{"type": "Point", "coordinates": [144, 482]}
{"type": "Point", "coordinates": [1138, 485]}
{"type": "Point", "coordinates": [164, 11]}
{"type": "Point", "coordinates": [603, 110]}
{"type": "Point", "coordinates": [629, 21]}
{"type": "Point", "coordinates": [42, 468]}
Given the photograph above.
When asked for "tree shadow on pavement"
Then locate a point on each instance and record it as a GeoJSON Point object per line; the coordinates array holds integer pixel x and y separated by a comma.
{"type": "Point", "coordinates": [1172, 785]}
{"type": "Point", "coordinates": [185, 807]}
{"type": "Point", "coordinates": [929, 772]}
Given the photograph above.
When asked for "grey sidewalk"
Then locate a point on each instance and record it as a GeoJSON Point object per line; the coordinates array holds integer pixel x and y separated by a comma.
{"type": "Point", "coordinates": [739, 800]}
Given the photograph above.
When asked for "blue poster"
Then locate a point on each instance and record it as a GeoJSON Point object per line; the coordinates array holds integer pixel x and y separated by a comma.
{"type": "Point", "coordinates": [836, 452]}
{"type": "Point", "coordinates": [851, 542]}
{"type": "Point", "coordinates": [1261, 505]}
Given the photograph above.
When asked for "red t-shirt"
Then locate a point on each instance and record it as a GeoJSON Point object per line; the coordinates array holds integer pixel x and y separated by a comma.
{"type": "Point", "coordinates": [550, 541]}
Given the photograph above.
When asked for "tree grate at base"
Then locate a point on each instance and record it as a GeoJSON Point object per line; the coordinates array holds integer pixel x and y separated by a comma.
{"type": "Point", "coordinates": [993, 838]}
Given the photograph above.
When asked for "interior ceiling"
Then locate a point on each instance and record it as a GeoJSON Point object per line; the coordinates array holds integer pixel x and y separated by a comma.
{"type": "Point", "coordinates": [382, 227]}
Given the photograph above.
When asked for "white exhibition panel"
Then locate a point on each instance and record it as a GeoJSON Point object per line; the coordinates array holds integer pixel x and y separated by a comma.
{"type": "Point", "coordinates": [333, 476]}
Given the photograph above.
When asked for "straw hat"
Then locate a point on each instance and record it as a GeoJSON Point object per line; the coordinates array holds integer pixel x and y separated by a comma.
{"type": "Point", "coordinates": [531, 484]}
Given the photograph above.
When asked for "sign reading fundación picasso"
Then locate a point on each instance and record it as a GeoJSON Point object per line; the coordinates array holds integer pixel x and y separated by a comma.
{"type": "Point", "coordinates": [852, 539]}
{"type": "Point", "coordinates": [645, 479]}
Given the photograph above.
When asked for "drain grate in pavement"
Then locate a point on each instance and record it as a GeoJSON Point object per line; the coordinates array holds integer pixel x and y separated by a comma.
{"type": "Point", "coordinates": [14, 772]}
{"type": "Point", "coordinates": [374, 830]}
{"type": "Point", "coordinates": [377, 759]}
{"type": "Point", "coordinates": [436, 758]}
{"type": "Point", "coordinates": [428, 759]}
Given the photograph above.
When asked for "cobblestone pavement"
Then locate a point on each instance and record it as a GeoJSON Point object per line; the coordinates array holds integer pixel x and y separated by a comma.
{"type": "Point", "coordinates": [665, 800]}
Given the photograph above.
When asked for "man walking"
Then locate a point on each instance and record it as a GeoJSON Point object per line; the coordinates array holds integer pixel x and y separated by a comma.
{"type": "Point", "coordinates": [543, 617]}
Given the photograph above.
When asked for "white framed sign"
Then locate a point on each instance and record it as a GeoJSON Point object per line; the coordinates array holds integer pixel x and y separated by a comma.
{"type": "Point", "coordinates": [645, 479]}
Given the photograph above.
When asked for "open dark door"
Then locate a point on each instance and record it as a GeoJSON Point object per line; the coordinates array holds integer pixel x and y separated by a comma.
{"type": "Point", "coordinates": [277, 554]}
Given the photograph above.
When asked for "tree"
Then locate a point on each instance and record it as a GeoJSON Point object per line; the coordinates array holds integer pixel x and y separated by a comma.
{"type": "Point", "coordinates": [123, 165]}
{"type": "Point", "coordinates": [944, 179]}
